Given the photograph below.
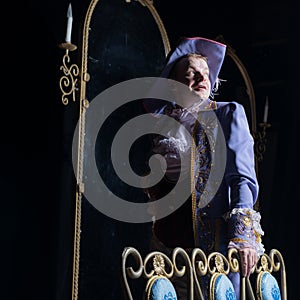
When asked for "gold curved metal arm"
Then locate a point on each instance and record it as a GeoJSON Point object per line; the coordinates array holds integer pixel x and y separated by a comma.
{"type": "Point", "coordinates": [130, 251]}
{"type": "Point", "coordinates": [200, 267]}
{"type": "Point", "coordinates": [180, 272]}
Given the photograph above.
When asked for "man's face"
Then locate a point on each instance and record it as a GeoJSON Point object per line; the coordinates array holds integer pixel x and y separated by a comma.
{"type": "Point", "coordinates": [194, 72]}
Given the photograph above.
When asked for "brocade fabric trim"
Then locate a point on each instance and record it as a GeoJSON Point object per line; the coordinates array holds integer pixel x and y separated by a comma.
{"type": "Point", "coordinates": [245, 229]}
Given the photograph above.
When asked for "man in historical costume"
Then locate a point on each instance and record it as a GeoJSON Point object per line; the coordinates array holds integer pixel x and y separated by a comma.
{"type": "Point", "coordinates": [217, 161]}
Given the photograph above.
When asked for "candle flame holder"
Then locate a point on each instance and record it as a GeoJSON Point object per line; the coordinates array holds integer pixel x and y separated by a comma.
{"type": "Point", "coordinates": [68, 81]}
{"type": "Point", "coordinates": [260, 138]}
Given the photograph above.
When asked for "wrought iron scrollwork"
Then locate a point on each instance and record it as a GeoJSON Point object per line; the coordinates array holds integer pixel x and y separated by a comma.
{"type": "Point", "coordinates": [68, 81]}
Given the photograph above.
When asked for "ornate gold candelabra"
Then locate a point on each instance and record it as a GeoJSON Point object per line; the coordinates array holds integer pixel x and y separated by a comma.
{"type": "Point", "coordinates": [68, 81]}
{"type": "Point", "coordinates": [261, 140]}
{"type": "Point", "coordinates": [261, 136]}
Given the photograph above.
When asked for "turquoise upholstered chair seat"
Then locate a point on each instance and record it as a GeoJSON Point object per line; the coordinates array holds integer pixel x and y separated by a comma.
{"type": "Point", "coordinates": [160, 288]}
{"type": "Point", "coordinates": [221, 288]}
{"type": "Point", "coordinates": [267, 287]}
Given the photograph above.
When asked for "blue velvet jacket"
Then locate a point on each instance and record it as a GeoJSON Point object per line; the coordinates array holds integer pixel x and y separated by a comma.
{"type": "Point", "coordinates": [220, 212]}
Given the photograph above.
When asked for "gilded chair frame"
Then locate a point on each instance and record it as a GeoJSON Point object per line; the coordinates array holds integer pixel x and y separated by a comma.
{"type": "Point", "coordinates": [198, 264]}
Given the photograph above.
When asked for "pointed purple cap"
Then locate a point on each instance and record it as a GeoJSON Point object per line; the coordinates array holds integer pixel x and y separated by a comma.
{"type": "Point", "coordinates": [213, 50]}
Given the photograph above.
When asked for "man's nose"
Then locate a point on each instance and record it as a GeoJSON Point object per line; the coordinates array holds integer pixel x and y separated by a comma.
{"type": "Point", "coordinates": [199, 77]}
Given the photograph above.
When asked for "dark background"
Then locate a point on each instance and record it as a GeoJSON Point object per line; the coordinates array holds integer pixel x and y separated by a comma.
{"type": "Point", "coordinates": [37, 181]}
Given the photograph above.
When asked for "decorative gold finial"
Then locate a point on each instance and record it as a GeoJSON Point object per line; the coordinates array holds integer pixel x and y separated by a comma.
{"type": "Point", "coordinates": [159, 264]}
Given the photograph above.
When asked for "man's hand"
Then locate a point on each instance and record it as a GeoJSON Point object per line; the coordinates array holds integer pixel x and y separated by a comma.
{"type": "Point", "coordinates": [248, 260]}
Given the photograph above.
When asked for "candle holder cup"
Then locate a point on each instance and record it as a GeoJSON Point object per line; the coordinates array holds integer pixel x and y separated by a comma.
{"type": "Point", "coordinates": [68, 46]}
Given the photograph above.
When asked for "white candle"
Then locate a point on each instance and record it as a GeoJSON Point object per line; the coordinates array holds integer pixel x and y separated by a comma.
{"type": "Point", "coordinates": [69, 26]}
{"type": "Point", "coordinates": [266, 110]}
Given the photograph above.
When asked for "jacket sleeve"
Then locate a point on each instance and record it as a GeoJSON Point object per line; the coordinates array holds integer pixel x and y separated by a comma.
{"type": "Point", "coordinates": [243, 220]}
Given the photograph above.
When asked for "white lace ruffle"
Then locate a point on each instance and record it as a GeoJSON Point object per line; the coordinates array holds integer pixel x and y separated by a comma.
{"type": "Point", "coordinates": [174, 145]}
{"type": "Point", "coordinates": [253, 214]}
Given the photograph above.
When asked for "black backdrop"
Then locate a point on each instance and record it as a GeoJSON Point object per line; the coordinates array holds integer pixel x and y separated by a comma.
{"type": "Point", "coordinates": [37, 185]}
